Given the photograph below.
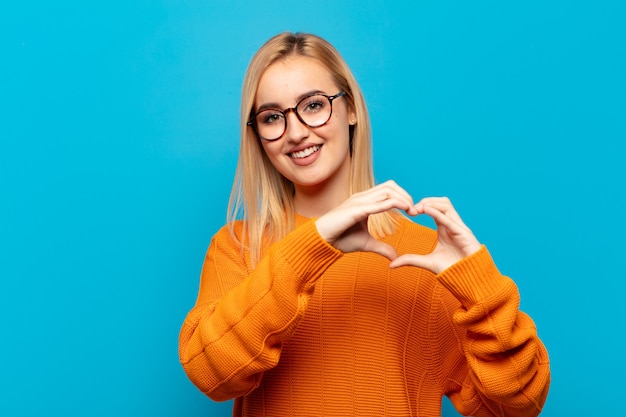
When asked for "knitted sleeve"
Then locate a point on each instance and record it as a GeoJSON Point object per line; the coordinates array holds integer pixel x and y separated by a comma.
{"type": "Point", "coordinates": [235, 331]}
{"type": "Point", "coordinates": [506, 367]}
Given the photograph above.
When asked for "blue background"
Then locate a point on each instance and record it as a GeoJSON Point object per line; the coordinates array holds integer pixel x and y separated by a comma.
{"type": "Point", "coordinates": [119, 138]}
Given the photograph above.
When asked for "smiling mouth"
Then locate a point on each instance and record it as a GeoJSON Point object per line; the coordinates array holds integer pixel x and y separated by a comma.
{"type": "Point", "coordinates": [305, 152]}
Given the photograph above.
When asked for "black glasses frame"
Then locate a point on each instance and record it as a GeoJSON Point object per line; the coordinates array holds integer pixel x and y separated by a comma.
{"type": "Point", "coordinates": [252, 121]}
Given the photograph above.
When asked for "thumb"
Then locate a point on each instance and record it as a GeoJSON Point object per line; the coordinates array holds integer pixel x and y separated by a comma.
{"type": "Point", "coordinates": [421, 261]}
{"type": "Point", "coordinates": [381, 248]}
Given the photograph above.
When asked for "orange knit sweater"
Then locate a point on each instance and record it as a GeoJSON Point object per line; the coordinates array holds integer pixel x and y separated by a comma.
{"type": "Point", "coordinates": [315, 332]}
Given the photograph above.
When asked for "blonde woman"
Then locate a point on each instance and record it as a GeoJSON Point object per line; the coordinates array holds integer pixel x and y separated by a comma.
{"type": "Point", "coordinates": [319, 298]}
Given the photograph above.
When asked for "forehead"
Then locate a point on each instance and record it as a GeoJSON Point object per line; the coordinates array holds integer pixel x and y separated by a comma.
{"type": "Point", "coordinates": [287, 79]}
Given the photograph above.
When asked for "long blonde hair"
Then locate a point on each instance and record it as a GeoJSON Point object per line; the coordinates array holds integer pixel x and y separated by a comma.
{"type": "Point", "coordinates": [261, 195]}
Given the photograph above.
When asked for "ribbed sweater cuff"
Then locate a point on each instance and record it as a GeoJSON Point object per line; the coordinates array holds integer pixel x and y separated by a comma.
{"type": "Point", "coordinates": [307, 253]}
{"type": "Point", "coordinates": [474, 278]}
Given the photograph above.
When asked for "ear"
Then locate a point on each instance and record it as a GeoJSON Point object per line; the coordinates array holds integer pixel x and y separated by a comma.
{"type": "Point", "coordinates": [352, 118]}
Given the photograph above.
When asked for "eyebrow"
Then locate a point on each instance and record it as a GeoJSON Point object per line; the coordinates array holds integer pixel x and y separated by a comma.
{"type": "Point", "coordinates": [277, 106]}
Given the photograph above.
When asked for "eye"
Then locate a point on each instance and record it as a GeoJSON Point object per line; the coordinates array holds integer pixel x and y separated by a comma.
{"type": "Point", "coordinates": [269, 117]}
{"type": "Point", "coordinates": [313, 104]}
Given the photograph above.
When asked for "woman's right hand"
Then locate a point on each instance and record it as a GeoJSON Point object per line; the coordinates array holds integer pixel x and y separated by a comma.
{"type": "Point", "coordinates": [345, 226]}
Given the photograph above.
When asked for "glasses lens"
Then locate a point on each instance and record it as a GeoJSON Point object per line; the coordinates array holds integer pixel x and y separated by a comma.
{"type": "Point", "coordinates": [314, 110]}
{"type": "Point", "coordinates": [270, 124]}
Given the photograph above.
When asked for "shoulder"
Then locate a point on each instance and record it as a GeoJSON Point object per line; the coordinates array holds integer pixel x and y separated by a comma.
{"type": "Point", "coordinates": [235, 228]}
{"type": "Point", "coordinates": [228, 244]}
{"type": "Point", "coordinates": [412, 237]}
{"type": "Point", "coordinates": [230, 234]}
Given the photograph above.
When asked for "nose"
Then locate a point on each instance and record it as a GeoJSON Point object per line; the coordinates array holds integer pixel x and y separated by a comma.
{"type": "Point", "coordinates": [295, 130]}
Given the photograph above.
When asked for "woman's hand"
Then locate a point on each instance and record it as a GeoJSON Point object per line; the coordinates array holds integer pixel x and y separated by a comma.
{"type": "Point", "coordinates": [345, 227]}
{"type": "Point", "coordinates": [455, 240]}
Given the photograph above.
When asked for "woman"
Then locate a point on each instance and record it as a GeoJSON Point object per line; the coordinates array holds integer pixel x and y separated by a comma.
{"type": "Point", "coordinates": [326, 300]}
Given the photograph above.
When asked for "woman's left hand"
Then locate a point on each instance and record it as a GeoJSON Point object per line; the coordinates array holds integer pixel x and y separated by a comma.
{"type": "Point", "coordinates": [455, 240]}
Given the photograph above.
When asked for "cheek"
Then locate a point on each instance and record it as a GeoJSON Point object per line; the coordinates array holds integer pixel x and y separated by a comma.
{"type": "Point", "coordinates": [341, 120]}
{"type": "Point", "coordinates": [340, 127]}
{"type": "Point", "coordinates": [269, 148]}
{"type": "Point", "coordinates": [272, 151]}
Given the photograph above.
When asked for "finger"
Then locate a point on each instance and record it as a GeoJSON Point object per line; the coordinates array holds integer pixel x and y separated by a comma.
{"type": "Point", "coordinates": [443, 206]}
{"type": "Point", "coordinates": [443, 219]}
{"type": "Point", "coordinates": [401, 191]}
{"type": "Point", "coordinates": [390, 189]}
{"type": "Point", "coordinates": [388, 204]}
{"type": "Point", "coordinates": [421, 261]}
{"type": "Point", "coordinates": [381, 248]}
{"type": "Point", "coordinates": [385, 190]}
{"type": "Point", "coordinates": [383, 199]}
{"type": "Point", "coordinates": [441, 202]}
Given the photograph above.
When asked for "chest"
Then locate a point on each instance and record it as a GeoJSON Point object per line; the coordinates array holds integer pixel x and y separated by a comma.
{"type": "Point", "coordinates": [360, 297]}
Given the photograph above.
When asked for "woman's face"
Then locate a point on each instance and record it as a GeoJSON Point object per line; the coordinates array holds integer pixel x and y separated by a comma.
{"type": "Point", "coordinates": [308, 157]}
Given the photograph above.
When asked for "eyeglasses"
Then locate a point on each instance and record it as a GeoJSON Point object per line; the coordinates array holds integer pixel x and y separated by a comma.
{"type": "Point", "coordinates": [314, 111]}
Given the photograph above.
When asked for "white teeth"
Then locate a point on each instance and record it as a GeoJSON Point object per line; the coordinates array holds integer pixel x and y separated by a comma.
{"type": "Point", "coordinates": [305, 152]}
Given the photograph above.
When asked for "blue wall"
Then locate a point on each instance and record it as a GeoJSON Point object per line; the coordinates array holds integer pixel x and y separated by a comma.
{"type": "Point", "coordinates": [118, 133]}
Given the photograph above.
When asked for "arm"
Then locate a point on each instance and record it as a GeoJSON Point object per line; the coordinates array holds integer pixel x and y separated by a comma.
{"type": "Point", "coordinates": [235, 331]}
{"type": "Point", "coordinates": [506, 368]}
{"type": "Point", "coordinates": [505, 371]}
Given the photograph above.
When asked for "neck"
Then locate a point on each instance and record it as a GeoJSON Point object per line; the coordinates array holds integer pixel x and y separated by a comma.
{"type": "Point", "coordinates": [312, 202]}
{"type": "Point", "coordinates": [315, 200]}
